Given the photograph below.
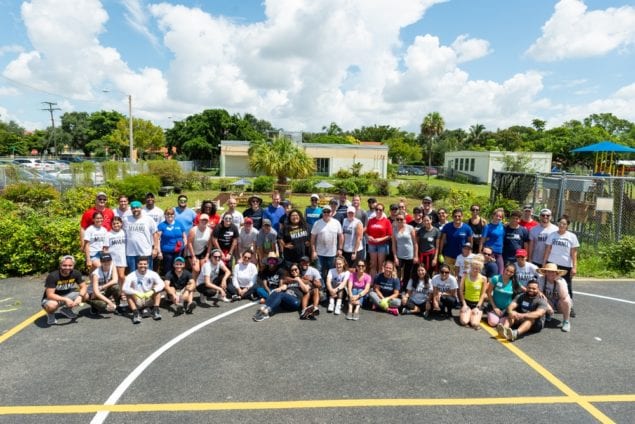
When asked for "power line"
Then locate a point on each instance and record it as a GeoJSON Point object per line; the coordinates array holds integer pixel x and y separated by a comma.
{"type": "Point", "coordinates": [50, 109]}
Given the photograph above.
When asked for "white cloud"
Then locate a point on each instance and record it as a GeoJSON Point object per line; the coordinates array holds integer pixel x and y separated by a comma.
{"type": "Point", "coordinates": [574, 32]}
{"type": "Point", "coordinates": [138, 19]}
{"type": "Point", "coordinates": [621, 103]}
{"type": "Point", "coordinates": [11, 48]}
{"type": "Point", "coordinates": [470, 49]}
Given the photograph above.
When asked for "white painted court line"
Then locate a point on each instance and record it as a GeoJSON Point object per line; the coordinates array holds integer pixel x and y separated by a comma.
{"type": "Point", "coordinates": [101, 416]}
{"type": "Point", "coordinates": [605, 297]}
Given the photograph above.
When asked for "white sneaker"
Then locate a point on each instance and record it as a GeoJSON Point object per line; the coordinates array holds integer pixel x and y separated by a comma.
{"type": "Point", "coordinates": [331, 306]}
{"type": "Point", "coordinates": [566, 326]}
{"type": "Point", "coordinates": [338, 309]}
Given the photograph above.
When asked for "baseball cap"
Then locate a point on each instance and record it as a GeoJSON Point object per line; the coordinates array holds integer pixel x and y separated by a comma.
{"type": "Point", "coordinates": [521, 252]}
{"type": "Point", "coordinates": [150, 195]}
{"type": "Point", "coordinates": [266, 222]}
{"type": "Point", "coordinates": [394, 207]}
{"type": "Point", "coordinates": [248, 221]}
{"type": "Point", "coordinates": [427, 199]}
{"type": "Point", "coordinates": [326, 208]}
{"type": "Point", "coordinates": [285, 203]}
{"type": "Point", "coordinates": [106, 257]}
{"type": "Point", "coordinates": [315, 196]}
{"type": "Point", "coordinates": [528, 207]}
{"type": "Point", "coordinates": [179, 259]}
{"type": "Point", "coordinates": [351, 209]}
{"type": "Point", "coordinates": [467, 244]}
{"type": "Point", "coordinates": [545, 211]}
{"type": "Point", "coordinates": [135, 204]}
{"type": "Point", "coordinates": [417, 209]}
{"type": "Point", "coordinates": [305, 259]}
{"type": "Point", "coordinates": [101, 194]}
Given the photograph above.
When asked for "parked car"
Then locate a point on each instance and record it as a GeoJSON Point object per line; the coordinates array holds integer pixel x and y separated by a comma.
{"type": "Point", "coordinates": [29, 163]}
{"type": "Point", "coordinates": [402, 170]}
{"type": "Point", "coordinates": [430, 170]}
{"type": "Point", "coordinates": [66, 176]}
{"type": "Point", "coordinates": [416, 171]}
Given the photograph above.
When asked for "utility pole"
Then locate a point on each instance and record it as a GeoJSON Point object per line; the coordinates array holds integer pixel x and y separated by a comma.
{"type": "Point", "coordinates": [50, 109]}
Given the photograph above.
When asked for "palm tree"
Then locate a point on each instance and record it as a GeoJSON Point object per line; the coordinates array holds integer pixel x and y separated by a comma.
{"type": "Point", "coordinates": [476, 134]}
{"type": "Point", "coordinates": [281, 158]}
{"type": "Point", "coordinates": [431, 128]}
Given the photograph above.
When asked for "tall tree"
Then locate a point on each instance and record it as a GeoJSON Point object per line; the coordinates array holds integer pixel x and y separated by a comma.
{"type": "Point", "coordinates": [431, 128]}
{"type": "Point", "coordinates": [146, 135]}
{"type": "Point", "coordinates": [476, 135]}
{"type": "Point", "coordinates": [280, 158]}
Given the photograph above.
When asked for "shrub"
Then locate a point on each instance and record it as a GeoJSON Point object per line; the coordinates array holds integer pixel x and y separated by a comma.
{"type": "Point", "coordinates": [392, 170]}
{"type": "Point", "coordinates": [136, 186]}
{"type": "Point", "coordinates": [343, 174]}
{"type": "Point", "coordinates": [33, 242]}
{"type": "Point", "coordinates": [371, 175]}
{"type": "Point", "coordinates": [35, 195]}
{"type": "Point", "coordinates": [263, 184]}
{"type": "Point", "coordinates": [347, 185]}
{"type": "Point", "coordinates": [303, 186]}
{"type": "Point", "coordinates": [197, 181]}
{"type": "Point", "coordinates": [169, 171]}
{"type": "Point", "coordinates": [383, 187]}
{"type": "Point", "coordinates": [362, 185]}
{"type": "Point", "coordinates": [621, 255]}
{"type": "Point", "coordinates": [416, 189]}
{"type": "Point", "coordinates": [437, 192]}
{"type": "Point", "coordinates": [76, 200]}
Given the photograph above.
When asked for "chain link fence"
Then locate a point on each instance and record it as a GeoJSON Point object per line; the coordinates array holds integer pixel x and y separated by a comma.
{"type": "Point", "coordinates": [601, 209]}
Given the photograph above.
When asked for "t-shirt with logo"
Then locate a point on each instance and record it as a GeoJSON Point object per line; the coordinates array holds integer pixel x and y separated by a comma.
{"type": "Point", "coordinates": [299, 237]}
{"type": "Point", "coordinates": [225, 235]}
{"type": "Point", "coordinates": [387, 285]}
{"type": "Point", "coordinates": [63, 285]}
{"type": "Point", "coordinates": [526, 304]}
{"type": "Point", "coordinates": [515, 238]}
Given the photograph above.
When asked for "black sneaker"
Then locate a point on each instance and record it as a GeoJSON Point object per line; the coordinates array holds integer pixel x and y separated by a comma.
{"type": "Point", "coordinates": [190, 307]}
{"type": "Point", "coordinates": [572, 314]}
{"type": "Point", "coordinates": [260, 316]}
{"type": "Point", "coordinates": [68, 313]}
{"type": "Point", "coordinates": [178, 309]}
{"type": "Point", "coordinates": [145, 313]}
{"type": "Point", "coordinates": [156, 314]}
{"type": "Point", "coordinates": [235, 298]}
{"type": "Point", "coordinates": [306, 312]}
{"type": "Point", "coordinates": [136, 317]}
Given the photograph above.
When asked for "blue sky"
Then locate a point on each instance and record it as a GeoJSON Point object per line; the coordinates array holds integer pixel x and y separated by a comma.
{"type": "Point", "coordinates": [302, 64]}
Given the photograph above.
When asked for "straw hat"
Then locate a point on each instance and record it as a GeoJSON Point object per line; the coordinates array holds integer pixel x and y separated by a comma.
{"type": "Point", "coordinates": [551, 267]}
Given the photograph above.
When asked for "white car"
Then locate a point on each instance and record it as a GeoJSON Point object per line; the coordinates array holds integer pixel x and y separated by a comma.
{"type": "Point", "coordinates": [66, 175]}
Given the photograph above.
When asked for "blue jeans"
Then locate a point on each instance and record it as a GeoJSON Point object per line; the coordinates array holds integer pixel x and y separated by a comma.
{"type": "Point", "coordinates": [276, 300]}
{"type": "Point", "coordinates": [132, 262]}
{"type": "Point", "coordinates": [323, 264]}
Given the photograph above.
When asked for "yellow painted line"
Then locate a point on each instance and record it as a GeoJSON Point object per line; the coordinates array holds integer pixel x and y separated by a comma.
{"type": "Point", "coordinates": [568, 391]}
{"type": "Point", "coordinates": [13, 331]}
{"type": "Point", "coordinates": [305, 404]}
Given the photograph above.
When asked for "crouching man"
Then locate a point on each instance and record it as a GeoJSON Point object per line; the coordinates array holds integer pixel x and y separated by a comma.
{"type": "Point", "coordinates": [104, 290]}
{"type": "Point", "coordinates": [525, 314]}
{"type": "Point", "coordinates": [60, 290]}
{"type": "Point", "coordinates": [143, 289]}
{"type": "Point", "coordinates": [180, 286]}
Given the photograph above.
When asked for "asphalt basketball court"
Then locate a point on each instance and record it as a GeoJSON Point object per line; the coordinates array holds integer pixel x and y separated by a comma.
{"type": "Point", "coordinates": [217, 365]}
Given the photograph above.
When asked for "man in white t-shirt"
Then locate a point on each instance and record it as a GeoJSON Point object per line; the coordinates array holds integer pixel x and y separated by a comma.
{"type": "Point", "coordinates": [143, 289]}
{"type": "Point", "coordinates": [327, 240]}
{"type": "Point", "coordinates": [151, 210]}
{"type": "Point", "coordinates": [142, 239]}
{"type": "Point", "coordinates": [538, 237]}
{"type": "Point", "coordinates": [237, 217]}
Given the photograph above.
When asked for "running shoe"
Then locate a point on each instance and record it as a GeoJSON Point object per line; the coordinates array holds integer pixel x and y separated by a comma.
{"type": "Point", "coordinates": [501, 330]}
{"type": "Point", "coordinates": [136, 317]}
{"type": "Point", "coordinates": [235, 298]}
{"type": "Point", "coordinates": [50, 319]}
{"type": "Point", "coordinates": [355, 316]}
{"type": "Point", "coordinates": [572, 314]}
{"type": "Point", "coordinates": [178, 309]}
{"type": "Point", "coordinates": [156, 314]}
{"type": "Point", "coordinates": [306, 312]}
{"type": "Point", "coordinates": [349, 316]}
{"type": "Point", "coordinates": [393, 311]}
{"type": "Point", "coordinates": [338, 309]}
{"type": "Point", "coordinates": [566, 326]}
{"type": "Point", "coordinates": [190, 307]}
{"type": "Point", "coordinates": [68, 313]}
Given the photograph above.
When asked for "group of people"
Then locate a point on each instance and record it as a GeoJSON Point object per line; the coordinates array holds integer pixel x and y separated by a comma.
{"type": "Point", "coordinates": [337, 256]}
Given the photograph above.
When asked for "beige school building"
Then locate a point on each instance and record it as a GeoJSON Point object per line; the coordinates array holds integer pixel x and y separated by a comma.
{"type": "Point", "coordinates": [329, 158]}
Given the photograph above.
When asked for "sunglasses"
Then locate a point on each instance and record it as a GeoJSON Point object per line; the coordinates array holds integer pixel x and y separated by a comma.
{"type": "Point", "coordinates": [216, 256]}
{"type": "Point", "coordinates": [399, 219]}
{"type": "Point", "coordinates": [361, 266]}
{"type": "Point", "coordinates": [545, 215]}
{"type": "Point", "coordinates": [475, 210]}
{"type": "Point", "coordinates": [379, 210]}
{"type": "Point", "coordinates": [247, 257]}
{"type": "Point", "coordinates": [445, 272]}
{"type": "Point", "coordinates": [102, 199]}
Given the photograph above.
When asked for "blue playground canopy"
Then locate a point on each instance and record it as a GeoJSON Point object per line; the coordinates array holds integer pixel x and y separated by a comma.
{"type": "Point", "coordinates": [605, 163]}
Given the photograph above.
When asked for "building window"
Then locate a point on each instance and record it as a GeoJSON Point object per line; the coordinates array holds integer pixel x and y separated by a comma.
{"type": "Point", "coordinates": [322, 166]}
{"type": "Point", "coordinates": [461, 164]}
{"type": "Point", "coordinates": [472, 164]}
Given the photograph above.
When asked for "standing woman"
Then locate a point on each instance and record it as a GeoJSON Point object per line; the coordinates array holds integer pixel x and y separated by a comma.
{"type": "Point", "coordinates": [198, 244]}
{"type": "Point", "coordinates": [562, 250]}
{"type": "Point", "coordinates": [208, 207]}
{"type": "Point", "coordinates": [225, 238]}
{"type": "Point", "coordinates": [379, 233]}
{"type": "Point", "coordinates": [294, 239]}
{"type": "Point", "coordinates": [472, 293]}
{"type": "Point", "coordinates": [172, 239]}
{"type": "Point", "coordinates": [477, 223]}
{"type": "Point", "coordinates": [428, 238]}
{"type": "Point", "coordinates": [353, 230]}
{"type": "Point", "coordinates": [405, 249]}
{"type": "Point", "coordinates": [493, 236]}
{"type": "Point", "coordinates": [116, 246]}
{"type": "Point", "coordinates": [94, 241]}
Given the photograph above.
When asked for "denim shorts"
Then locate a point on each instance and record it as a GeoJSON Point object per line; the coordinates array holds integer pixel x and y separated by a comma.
{"type": "Point", "coordinates": [378, 248]}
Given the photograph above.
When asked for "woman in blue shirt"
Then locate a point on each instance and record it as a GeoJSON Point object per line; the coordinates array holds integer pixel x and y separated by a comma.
{"type": "Point", "coordinates": [494, 235]}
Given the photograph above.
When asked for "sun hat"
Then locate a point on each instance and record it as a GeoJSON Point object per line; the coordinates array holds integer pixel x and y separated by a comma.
{"type": "Point", "coordinates": [551, 267]}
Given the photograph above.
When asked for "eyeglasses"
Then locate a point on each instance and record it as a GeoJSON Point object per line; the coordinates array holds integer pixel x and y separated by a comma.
{"type": "Point", "coordinates": [216, 256]}
{"type": "Point", "coordinates": [247, 257]}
